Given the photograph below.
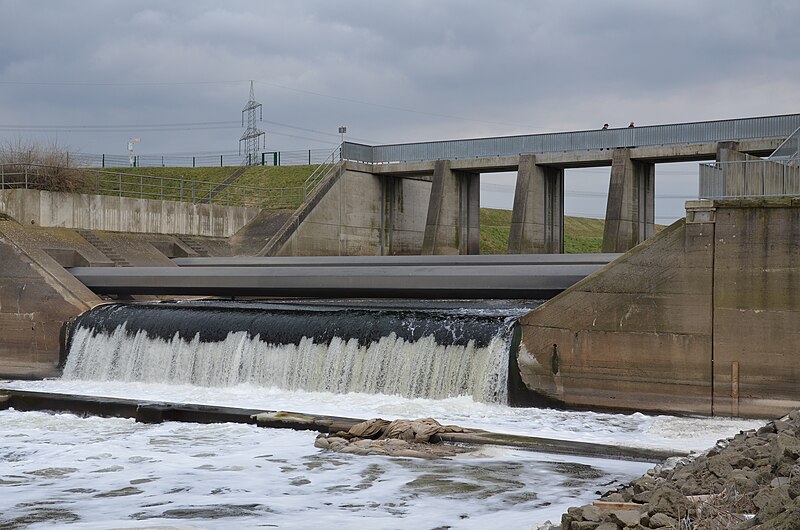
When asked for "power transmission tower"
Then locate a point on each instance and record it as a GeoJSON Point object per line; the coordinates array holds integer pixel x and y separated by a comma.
{"type": "Point", "coordinates": [252, 136]}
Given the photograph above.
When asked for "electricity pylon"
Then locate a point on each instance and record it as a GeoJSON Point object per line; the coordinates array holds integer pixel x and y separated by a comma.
{"type": "Point", "coordinates": [252, 136]}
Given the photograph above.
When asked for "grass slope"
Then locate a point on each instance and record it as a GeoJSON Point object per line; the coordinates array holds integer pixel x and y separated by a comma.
{"type": "Point", "coordinates": [182, 183]}
{"type": "Point", "coordinates": [581, 235]}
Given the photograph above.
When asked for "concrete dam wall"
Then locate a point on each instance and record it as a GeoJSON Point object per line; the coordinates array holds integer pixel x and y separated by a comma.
{"type": "Point", "coordinates": [702, 318]}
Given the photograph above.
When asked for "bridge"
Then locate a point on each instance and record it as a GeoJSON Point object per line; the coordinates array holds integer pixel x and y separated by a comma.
{"type": "Point", "coordinates": [424, 198]}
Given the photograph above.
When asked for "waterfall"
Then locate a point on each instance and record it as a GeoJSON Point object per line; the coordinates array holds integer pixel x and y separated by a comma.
{"type": "Point", "coordinates": [429, 354]}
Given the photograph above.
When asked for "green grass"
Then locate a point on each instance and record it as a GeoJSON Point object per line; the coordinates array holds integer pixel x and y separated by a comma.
{"type": "Point", "coordinates": [581, 235]}
{"type": "Point", "coordinates": [193, 184]}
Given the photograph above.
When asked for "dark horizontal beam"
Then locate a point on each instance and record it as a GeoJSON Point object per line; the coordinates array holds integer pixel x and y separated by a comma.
{"type": "Point", "coordinates": [157, 412]}
{"type": "Point", "coordinates": [412, 281]}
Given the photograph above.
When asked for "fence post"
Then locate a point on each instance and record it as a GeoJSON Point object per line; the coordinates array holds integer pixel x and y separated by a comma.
{"type": "Point", "coordinates": [103, 161]}
{"type": "Point", "coordinates": [309, 157]}
{"type": "Point", "coordinates": [141, 186]}
{"type": "Point", "coordinates": [275, 158]}
{"type": "Point", "coordinates": [180, 189]}
{"type": "Point", "coordinates": [162, 160]}
{"type": "Point", "coordinates": [220, 160]}
{"type": "Point", "coordinates": [119, 182]}
{"type": "Point", "coordinates": [262, 158]}
{"type": "Point", "coordinates": [192, 161]}
{"type": "Point", "coordinates": [279, 158]}
{"type": "Point", "coordinates": [26, 177]}
{"type": "Point", "coordinates": [162, 188]}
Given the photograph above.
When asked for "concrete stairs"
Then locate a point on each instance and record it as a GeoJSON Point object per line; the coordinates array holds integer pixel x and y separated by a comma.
{"type": "Point", "coordinates": [105, 248]}
{"type": "Point", "coordinates": [196, 244]}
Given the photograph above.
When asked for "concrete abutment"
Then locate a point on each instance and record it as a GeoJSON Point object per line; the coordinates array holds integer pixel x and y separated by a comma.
{"type": "Point", "coordinates": [701, 318]}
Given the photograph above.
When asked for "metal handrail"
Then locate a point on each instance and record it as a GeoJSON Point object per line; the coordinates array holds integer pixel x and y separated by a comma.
{"type": "Point", "coordinates": [318, 174]}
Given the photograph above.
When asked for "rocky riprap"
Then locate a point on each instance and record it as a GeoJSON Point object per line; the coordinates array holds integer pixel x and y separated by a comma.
{"type": "Point", "coordinates": [750, 481]}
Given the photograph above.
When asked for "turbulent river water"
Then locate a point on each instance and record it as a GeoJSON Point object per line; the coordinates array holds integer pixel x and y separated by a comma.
{"type": "Point", "coordinates": [362, 360]}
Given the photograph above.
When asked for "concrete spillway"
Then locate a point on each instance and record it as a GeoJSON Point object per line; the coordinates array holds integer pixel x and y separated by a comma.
{"type": "Point", "coordinates": [459, 277]}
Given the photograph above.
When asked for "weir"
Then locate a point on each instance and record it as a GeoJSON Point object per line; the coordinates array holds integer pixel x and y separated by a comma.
{"type": "Point", "coordinates": [434, 352]}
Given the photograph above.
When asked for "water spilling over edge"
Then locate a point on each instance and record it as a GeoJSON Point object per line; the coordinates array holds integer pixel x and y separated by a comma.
{"type": "Point", "coordinates": [430, 353]}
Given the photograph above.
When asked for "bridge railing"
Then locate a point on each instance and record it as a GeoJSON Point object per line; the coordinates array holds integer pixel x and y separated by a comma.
{"type": "Point", "coordinates": [672, 134]}
{"type": "Point", "coordinates": [142, 186]}
{"type": "Point", "coordinates": [748, 178]}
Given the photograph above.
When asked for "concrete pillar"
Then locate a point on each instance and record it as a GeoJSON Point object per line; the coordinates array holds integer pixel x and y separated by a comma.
{"type": "Point", "coordinates": [537, 221]}
{"type": "Point", "coordinates": [453, 224]}
{"type": "Point", "coordinates": [630, 213]}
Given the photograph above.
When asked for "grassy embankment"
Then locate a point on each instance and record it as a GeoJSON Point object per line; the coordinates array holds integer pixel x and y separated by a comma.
{"type": "Point", "coordinates": [581, 234]}
{"type": "Point", "coordinates": [165, 182]}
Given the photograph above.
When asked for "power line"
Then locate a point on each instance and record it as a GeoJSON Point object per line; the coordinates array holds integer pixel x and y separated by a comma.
{"type": "Point", "coordinates": [393, 107]}
{"type": "Point", "coordinates": [116, 83]}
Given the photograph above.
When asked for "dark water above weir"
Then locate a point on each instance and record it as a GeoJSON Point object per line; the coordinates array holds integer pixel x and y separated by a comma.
{"type": "Point", "coordinates": [430, 350]}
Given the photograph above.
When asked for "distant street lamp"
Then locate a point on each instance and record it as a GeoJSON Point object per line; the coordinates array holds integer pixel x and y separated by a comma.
{"type": "Point", "coordinates": [342, 131]}
{"type": "Point", "coordinates": [132, 141]}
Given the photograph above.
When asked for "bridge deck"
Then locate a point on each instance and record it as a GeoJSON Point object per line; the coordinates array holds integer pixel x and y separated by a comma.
{"type": "Point", "coordinates": [678, 135]}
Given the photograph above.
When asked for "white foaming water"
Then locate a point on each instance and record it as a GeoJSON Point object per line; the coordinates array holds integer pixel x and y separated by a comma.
{"type": "Point", "coordinates": [390, 365]}
{"type": "Point", "coordinates": [59, 469]}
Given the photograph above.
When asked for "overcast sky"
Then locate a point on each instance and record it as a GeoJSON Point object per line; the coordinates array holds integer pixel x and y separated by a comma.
{"type": "Point", "coordinates": [391, 72]}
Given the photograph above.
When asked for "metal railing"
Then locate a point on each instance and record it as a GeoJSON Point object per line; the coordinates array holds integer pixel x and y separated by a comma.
{"type": "Point", "coordinates": [322, 170]}
{"type": "Point", "coordinates": [680, 133]}
{"type": "Point", "coordinates": [748, 178]}
{"type": "Point", "coordinates": [266, 158]}
{"type": "Point", "coordinates": [141, 186]}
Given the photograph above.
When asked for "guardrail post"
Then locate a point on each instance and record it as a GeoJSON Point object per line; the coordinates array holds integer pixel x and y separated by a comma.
{"type": "Point", "coordinates": [26, 177]}
{"type": "Point", "coordinates": [220, 160]}
{"type": "Point", "coordinates": [141, 186]}
{"type": "Point", "coordinates": [180, 189]}
{"type": "Point", "coordinates": [162, 160]}
{"type": "Point", "coordinates": [192, 161]}
{"type": "Point", "coordinates": [103, 160]}
{"type": "Point", "coordinates": [119, 182]}
{"type": "Point", "coordinates": [309, 157]}
{"type": "Point", "coordinates": [161, 180]}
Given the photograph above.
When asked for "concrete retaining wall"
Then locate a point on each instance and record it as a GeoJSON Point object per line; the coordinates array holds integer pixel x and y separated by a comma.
{"type": "Point", "coordinates": [362, 214]}
{"type": "Point", "coordinates": [121, 214]}
{"type": "Point", "coordinates": [36, 297]}
{"type": "Point", "coordinates": [704, 318]}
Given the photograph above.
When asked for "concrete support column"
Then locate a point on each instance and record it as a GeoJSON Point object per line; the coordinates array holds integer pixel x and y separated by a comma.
{"type": "Point", "coordinates": [453, 223]}
{"type": "Point", "coordinates": [630, 214]}
{"type": "Point", "coordinates": [537, 221]}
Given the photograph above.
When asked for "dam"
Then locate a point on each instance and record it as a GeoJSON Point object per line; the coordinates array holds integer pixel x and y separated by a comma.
{"type": "Point", "coordinates": [695, 319]}
{"type": "Point", "coordinates": [653, 324]}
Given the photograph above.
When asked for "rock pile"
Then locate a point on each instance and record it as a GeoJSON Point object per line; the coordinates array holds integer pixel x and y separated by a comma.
{"type": "Point", "coordinates": [407, 438]}
{"type": "Point", "coordinates": [751, 481]}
